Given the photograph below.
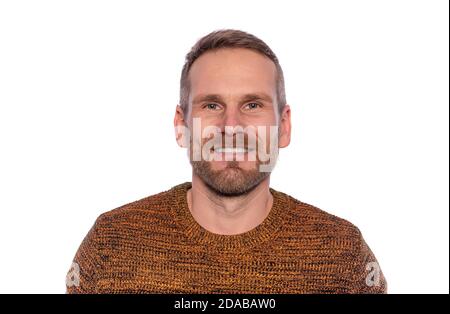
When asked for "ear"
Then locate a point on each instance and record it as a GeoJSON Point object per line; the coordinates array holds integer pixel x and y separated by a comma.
{"type": "Point", "coordinates": [181, 130]}
{"type": "Point", "coordinates": [285, 127]}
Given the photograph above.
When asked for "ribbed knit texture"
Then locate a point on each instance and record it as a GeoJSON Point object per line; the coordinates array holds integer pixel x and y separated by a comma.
{"type": "Point", "coordinates": [154, 245]}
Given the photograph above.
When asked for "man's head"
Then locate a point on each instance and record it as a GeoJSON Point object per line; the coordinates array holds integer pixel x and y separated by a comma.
{"type": "Point", "coordinates": [233, 86]}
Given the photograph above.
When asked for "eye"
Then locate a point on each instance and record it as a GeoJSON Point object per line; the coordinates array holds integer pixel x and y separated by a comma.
{"type": "Point", "coordinates": [252, 105]}
{"type": "Point", "coordinates": [211, 106]}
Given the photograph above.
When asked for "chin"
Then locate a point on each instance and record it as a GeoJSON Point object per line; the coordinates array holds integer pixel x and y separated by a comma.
{"type": "Point", "coordinates": [244, 165]}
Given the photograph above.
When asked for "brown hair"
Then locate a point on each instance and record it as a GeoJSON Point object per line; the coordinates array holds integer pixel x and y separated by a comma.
{"type": "Point", "coordinates": [229, 38]}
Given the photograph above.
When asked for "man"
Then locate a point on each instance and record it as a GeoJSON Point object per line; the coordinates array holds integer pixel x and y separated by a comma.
{"type": "Point", "coordinates": [226, 231]}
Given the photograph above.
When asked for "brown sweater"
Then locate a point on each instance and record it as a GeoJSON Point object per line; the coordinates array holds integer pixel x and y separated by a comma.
{"type": "Point", "coordinates": [154, 245]}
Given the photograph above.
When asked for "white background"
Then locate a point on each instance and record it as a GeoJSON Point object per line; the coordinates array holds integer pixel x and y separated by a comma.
{"type": "Point", "coordinates": [88, 90]}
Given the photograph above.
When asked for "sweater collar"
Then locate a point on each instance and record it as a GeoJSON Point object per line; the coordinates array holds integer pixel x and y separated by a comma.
{"type": "Point", "coordinates": [265, 231]}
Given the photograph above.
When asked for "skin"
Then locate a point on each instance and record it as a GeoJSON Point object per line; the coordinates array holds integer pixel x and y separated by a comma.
{"type": "Point", "coordinates": [232, 74]}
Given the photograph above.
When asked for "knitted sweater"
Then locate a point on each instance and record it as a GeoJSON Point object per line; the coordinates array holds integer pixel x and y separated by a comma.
{"type": "Point", "coordinates": [154, 245]}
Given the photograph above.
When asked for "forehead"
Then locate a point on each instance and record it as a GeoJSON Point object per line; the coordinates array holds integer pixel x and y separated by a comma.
{"type": "Point", "coordinates": [232, 72]}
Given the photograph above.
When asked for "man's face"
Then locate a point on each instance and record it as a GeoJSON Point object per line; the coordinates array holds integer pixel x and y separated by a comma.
{"type": "Point", "coordinates": [232, 101]}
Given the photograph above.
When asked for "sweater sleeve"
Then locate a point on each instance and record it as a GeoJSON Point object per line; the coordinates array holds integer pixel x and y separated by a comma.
{"type": "Point", "coordinates": [368, 277]}
{"type": "Point", "coordinates": [82, 275]}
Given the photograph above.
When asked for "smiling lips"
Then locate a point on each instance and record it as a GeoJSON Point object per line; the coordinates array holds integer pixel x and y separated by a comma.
{"type": "Point", "coordinates": [232, 150]}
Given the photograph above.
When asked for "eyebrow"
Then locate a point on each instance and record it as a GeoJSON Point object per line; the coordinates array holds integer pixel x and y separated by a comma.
{"type": "Point", "coordinates": [244, 98]}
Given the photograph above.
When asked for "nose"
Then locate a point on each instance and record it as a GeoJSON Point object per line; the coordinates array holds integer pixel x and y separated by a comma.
{"type": "Point", "coordinates": [231, 119]}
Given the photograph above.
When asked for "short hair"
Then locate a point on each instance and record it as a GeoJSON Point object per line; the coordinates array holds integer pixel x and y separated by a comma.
{"type": "Point", "coordinates": [229, 38]}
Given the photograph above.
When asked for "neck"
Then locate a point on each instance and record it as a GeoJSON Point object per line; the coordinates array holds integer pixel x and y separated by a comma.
{"type": "Point", "coordinates": [229, 215]}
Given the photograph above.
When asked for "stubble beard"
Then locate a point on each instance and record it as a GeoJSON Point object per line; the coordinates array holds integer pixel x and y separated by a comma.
{"type": "Point", "coordinates": [230, 181]}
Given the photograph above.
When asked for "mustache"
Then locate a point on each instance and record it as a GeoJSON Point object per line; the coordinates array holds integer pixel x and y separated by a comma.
{"type": "Point", "coordinates": [235, 141]}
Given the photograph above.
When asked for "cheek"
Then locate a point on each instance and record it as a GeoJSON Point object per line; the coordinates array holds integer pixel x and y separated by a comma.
{"type": "Point", "coordinates": [264, 133]}
{"type": "Point", "coordinates": [264, 118]}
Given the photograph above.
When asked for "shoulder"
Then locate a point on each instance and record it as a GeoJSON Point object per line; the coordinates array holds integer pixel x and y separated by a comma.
{"type": "Point", "coordinates": [341, 241]}
{"type": "Point", "coordinates": [316, 220]}
{"type": "Point", "coordinates": [142, 211]}
{"type": "Point", "coordinates": [314, 228]}
{"type": "Point", "coordinates": [147, 219]}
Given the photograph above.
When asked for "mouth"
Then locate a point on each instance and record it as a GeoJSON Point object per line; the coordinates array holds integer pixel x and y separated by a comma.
{"type": "Point", "coordinates": [232, 153]}
{"type": "Point", "coordinates": [232, 150]}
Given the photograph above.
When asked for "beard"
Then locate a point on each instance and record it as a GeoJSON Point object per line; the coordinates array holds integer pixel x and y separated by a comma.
{"type": "Point", "coordinates": [231, 180]}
